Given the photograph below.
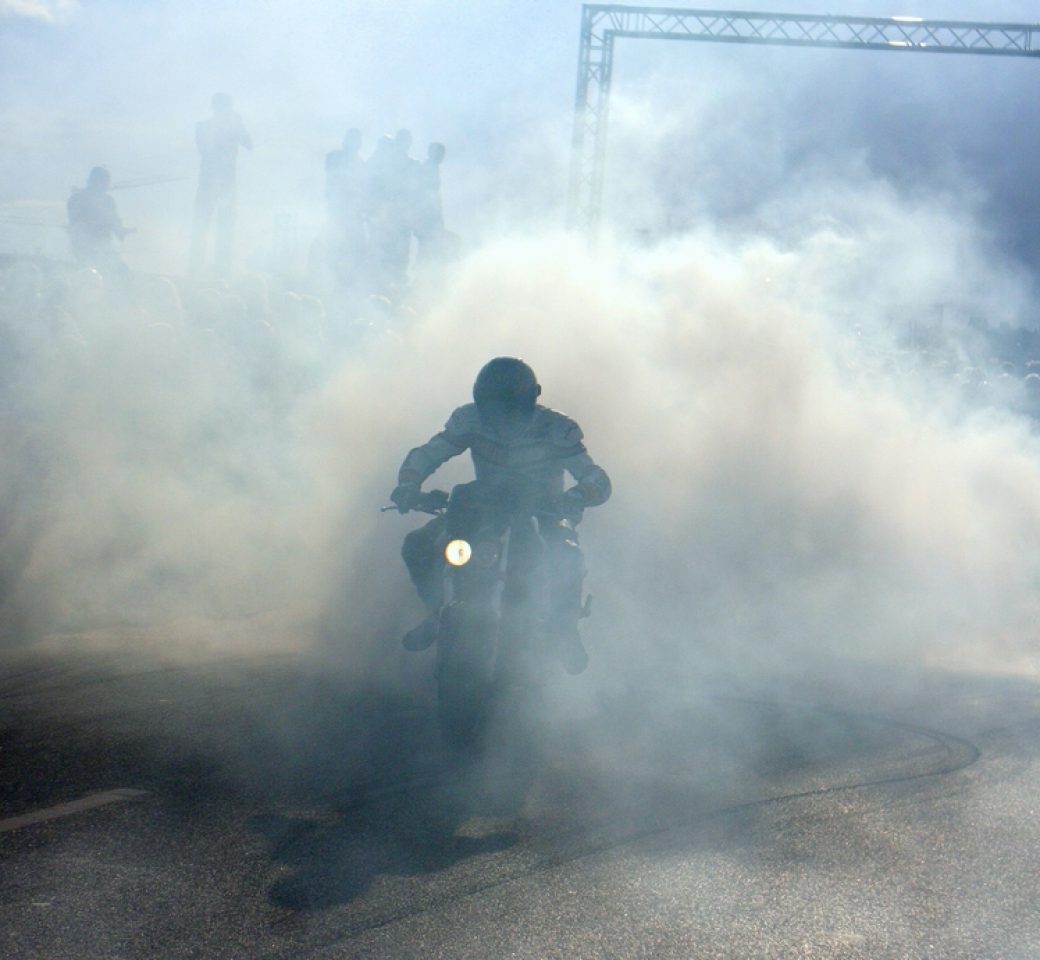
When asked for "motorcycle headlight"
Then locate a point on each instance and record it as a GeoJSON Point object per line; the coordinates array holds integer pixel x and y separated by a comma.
{"type": "Point", "coordinates": [458, 553]}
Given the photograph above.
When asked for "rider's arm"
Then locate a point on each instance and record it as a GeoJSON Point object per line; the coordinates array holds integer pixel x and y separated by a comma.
{"type": "Point", "coordinates": [454, 439]}
{"type": "Point", "coordinates": [591, 480]}
{"type": "Point", "coordinates": [592, 483]}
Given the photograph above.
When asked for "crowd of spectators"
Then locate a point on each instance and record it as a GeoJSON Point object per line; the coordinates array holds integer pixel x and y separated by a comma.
{"type": "Point", "coordinates": [56, 317]}
{"type": "Point", "coordinates": [270, 336]}
{"type": "Point", "coordinates": [134, 407]}
{"type": "Point", "coordinates": [201, 379]}
{"type": "Point", "coordinates": [376, 205]}
{"type": "Point", "coordinates": [384, 215]}
{"type": "Point", "coordinates": [60, 322]}
{"type": "Point", "coordinates": [977, 368]}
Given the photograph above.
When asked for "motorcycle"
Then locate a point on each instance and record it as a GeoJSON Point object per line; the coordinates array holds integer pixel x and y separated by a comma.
{"type": "Point", "coordinates": [492, 641]}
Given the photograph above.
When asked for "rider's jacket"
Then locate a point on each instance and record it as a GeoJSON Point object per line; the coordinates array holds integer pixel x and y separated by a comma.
{"type": "Point", "coordinates": [538, 456]}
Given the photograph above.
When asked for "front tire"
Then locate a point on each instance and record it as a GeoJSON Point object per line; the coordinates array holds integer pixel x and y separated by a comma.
{"type": "Point", "coordinates": [465, 674]}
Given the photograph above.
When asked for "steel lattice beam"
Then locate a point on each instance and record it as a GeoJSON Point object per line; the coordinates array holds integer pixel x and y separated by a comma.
{"type": "Point", "coordinates": [603, 24]}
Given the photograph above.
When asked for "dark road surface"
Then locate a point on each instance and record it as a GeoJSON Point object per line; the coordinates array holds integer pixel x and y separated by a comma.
{"type": "Point", "coordinates": [262, 808]}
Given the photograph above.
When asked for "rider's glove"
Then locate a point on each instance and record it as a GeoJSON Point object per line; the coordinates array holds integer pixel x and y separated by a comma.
{"type": "Point", "coordinates": [405, 496]}
{"type": "Point", "coordinates": [571, 505]}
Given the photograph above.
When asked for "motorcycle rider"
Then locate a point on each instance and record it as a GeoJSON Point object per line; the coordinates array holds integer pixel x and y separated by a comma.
{"type": "Point", "coordinates": [517, 445]}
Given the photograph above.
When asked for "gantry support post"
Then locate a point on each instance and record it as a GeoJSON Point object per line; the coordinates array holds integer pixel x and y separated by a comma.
{"type": "Point", "coordinates": [589, 144]}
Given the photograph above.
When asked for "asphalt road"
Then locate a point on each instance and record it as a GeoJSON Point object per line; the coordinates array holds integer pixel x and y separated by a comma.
{"type": "Point", "coordinates": [267, 808]}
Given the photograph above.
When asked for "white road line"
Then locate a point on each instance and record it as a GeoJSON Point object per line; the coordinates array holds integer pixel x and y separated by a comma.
{"type": "Point", "coordinates": [89, 802]}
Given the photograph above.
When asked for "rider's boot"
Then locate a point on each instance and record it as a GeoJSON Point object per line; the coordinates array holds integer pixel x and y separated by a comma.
{"type": "Point", "coordinates": [567, 568]}
{"type": "Point", "coordinates": [570, 651]}
{"type": "Point", "coordinates": [421, 637]}
{"type": "Point", "coordinates": [429, 586]}
{"type": "Point", "coordinates": [565, 640]}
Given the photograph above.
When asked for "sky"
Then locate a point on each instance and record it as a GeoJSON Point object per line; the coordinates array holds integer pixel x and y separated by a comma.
{"type": "Point", "coordinates": [713, 131]}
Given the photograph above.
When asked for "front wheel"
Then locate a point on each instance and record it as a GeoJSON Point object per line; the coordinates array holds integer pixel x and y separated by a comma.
{"type": "Point", "coordinates": [465, 673]}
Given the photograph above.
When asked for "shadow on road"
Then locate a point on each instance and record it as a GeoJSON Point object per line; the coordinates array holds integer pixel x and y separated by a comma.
{"type": "Point", "coordinates": [413, 834]}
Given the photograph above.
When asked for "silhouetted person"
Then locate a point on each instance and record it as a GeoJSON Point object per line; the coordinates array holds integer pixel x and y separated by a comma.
{"type": "Point", "coordinates": [94, 223]}
{"type": "Point", "coordinates": [218, 140]}
{"type": "Point", "coordinates": [345, 197]}
{"type": "Point", "coordinates": [379, 170]}
{"type": "Point", "coordinates": [393, 188]}
{"type": "Point", "coordinates": [429, 213]}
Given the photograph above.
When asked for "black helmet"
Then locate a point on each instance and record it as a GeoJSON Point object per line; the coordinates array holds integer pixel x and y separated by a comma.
{"type": "Point", "coordinates": [506, 384]}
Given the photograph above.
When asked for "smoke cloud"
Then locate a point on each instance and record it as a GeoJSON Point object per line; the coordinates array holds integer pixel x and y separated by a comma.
{"type": "Point", "coordinates": [48, 11]}
{"type": "Point", "coordinates": [777, 485]}
{"type": "Point", "coordinates": [790, 477]}
{"type": "Point", "coordinates": [777, 491]}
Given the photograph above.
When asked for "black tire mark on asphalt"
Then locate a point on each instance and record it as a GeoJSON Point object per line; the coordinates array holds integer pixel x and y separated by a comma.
{"type": "Point", "coordinates": [958, 754]}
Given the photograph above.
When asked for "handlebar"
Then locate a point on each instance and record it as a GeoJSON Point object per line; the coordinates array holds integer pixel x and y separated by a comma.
{"type": "Point", "coordinates": [434, 502]}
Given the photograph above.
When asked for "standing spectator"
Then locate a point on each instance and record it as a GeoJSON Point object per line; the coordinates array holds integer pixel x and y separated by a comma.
{"type": "Point", "coordinates": [393, 188]}
{"type": "Point", "coordinates": [94, 222]}
{"type": "Point", "coordinates": [345, 189]}
{"type": "Point", "coordinates": [429, 214]}
{"type": "Point", "coordinates": [218, 140]}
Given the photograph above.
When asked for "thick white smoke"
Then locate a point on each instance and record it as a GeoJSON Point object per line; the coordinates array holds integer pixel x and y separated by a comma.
{"type": "Point", "coordinates": [780, 492]}
{"type": "Point", "coordinates": [779, 489]}
{"type": "Point", "coordinates": [776, 485]}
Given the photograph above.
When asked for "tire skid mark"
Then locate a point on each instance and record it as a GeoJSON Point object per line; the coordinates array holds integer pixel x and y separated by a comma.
{"type": "Point", "coordinates": [959, 753]}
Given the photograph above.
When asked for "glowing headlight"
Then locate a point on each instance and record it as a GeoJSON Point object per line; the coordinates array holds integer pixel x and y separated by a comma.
{"type": "Point", "coordinates": [458, 552]}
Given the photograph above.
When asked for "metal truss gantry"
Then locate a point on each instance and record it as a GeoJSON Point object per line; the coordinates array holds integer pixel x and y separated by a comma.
{"type": "Point", "coordinates": [603, 24]}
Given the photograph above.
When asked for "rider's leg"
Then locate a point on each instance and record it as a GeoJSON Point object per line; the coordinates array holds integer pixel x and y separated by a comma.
{"type": "Point", "coordinates": [567, 575]}
{"type": "Point", "coordinates": [421, 551]}
{"type": "Point", "coordinates": [422, 548]}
